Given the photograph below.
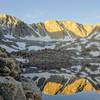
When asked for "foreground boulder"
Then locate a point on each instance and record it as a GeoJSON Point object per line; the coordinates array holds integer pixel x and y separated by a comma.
{"type": "Point", "coordinates": [31, 90]}
{"type": "Point", "coordinates": [10, 89]}
{"type": "Point", "coordinates": [8, 67]}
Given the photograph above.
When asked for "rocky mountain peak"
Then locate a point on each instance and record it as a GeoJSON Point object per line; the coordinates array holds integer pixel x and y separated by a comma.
{"type": "Point", "coordinates": [7, 19]}
{"type": "Point", "coordinates": [12, 25]}
{"type": "Point", "coordinates": [60, 29]}
{"type": "Point", "coordinates": [51, 28]}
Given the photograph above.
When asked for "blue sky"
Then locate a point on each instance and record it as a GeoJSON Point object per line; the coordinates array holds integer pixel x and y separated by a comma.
{"type": "Point", "coordinates": [83, 11]}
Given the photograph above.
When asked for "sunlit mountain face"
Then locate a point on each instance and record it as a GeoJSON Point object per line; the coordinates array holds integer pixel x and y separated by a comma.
{"type": "Point", "coordinates": [60, 57]}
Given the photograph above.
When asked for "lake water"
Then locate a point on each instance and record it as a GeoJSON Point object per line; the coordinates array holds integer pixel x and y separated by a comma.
{"type": "Point", "coordinates": [43, 78]}
{"type": "Point", "coordinates": [78, 96]}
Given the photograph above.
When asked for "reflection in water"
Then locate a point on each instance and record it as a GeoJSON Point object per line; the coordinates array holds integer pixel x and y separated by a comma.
{"type": "Point", "coordinates": [63, 87]}
{"type": "Point", "coordinates": [71, 67]}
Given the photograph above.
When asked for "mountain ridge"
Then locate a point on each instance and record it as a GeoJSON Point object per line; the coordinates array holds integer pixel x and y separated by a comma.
{"type": "Point", "coordinates": [78, 55]}
{"type": "Point", "coordinates": [52, 28]}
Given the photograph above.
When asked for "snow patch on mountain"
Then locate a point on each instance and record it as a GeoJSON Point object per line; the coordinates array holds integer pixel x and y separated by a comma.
{"type": "Point", "coordinates": [9, 36]}
{"type": "Point", "coordinates": [35, 48]}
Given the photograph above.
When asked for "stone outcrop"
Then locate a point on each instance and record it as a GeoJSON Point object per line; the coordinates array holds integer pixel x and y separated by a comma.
{"type": "Point", "coordinates": [8, 64]}
{"type": "Point", "coordinates": [12, 87]}
{"type": "Point", "coordinates": [9, 69]}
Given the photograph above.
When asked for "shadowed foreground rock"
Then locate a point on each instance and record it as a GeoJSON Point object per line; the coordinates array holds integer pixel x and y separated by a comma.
{"type": "Point", "coordinates": [31, 90]}
{"type": "Point", "coordinates": [12, 87]}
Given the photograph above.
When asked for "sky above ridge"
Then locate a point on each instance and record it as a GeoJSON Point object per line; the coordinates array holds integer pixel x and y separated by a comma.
{"type": "Point", "coordinates": [33, 11]}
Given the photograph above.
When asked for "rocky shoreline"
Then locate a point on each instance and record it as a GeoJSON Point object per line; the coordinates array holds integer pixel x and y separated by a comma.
{"type": "Point", "coordinates": [12, 86]}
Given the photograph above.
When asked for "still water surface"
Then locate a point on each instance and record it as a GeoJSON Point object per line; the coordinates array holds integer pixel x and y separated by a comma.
{"type": "Point", "coordinates": [78, 96]}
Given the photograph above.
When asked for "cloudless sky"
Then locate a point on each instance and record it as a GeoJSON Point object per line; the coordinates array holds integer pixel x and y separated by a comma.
{"type": "Point", "coordinates": [83, 11]}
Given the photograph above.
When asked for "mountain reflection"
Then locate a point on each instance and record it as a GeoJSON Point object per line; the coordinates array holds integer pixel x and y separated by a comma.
{"type": "Point", "coordinates": [61, 84]}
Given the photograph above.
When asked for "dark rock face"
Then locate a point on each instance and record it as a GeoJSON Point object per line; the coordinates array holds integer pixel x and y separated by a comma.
{"type": "Point", "coordinates": [47, 59]}
{"type": "Point", "coordinates": [10, 24]}
{"type": "Point", "coordinates": [56, 59]}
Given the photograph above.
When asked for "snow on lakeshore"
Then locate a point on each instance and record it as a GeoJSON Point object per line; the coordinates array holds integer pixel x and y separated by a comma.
{"type": "Point", "coordinates": [40, 48]}
{"type": "Point", "coordinates": [21, 45]}
{"type": "Point", "coordinates": [8, 48]}
{"type": "Point", "coordinates": [22, 60]}
{"type": "Point", "coordinates": [47, 74]}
